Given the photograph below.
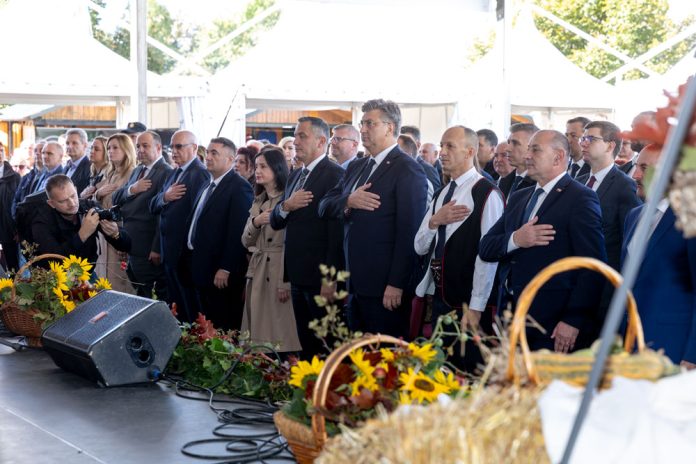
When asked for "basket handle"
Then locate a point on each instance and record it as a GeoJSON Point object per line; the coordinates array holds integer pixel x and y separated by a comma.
{"type": "Point", "coordinates": [27, 265]}
{"type": "Point", "coordinates": [321, 387]}
{"type": "Point", "coordinates": [634, 331]}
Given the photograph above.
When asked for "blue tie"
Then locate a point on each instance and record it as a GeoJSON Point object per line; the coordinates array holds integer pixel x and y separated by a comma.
{"type": "Point", "coordinates": [515, 183]}
{"type": "Point", "coordinates": [367, 170]}
{"type": "Point", "coordinates": [532, 203]}
{"type": "Point", "coordinates": [442, 229]}
{"type": "Point", "coordinates": [301, 181]}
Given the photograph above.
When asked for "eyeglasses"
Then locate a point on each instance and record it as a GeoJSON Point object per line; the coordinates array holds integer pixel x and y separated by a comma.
{"type": "Point", "coordinates": [179, 146]}
{"type": "Point", "coordinates": [590, 139]}
{"type": "Point", "coordinates": [370, 123]}
{"type": "Point", "coordinates": [337, 139]}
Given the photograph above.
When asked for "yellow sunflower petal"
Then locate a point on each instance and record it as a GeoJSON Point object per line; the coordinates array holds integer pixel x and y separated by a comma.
{"type": "Point", "coordinates": [6, 283]}
{"type": "Point", "coordinates": [425, 353]}
{"type": "Point", "coordinates": [102, 284]}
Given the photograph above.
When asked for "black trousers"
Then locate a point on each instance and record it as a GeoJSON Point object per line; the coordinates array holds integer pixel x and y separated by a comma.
{"type": "Point", "coordinates": [368, 314]}
{"type": "Point", "coordinates": [306, 310]}
{"type": "Point", "coordinates": [10, 252]}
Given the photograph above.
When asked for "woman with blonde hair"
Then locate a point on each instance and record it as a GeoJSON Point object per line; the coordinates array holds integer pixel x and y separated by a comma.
{"type": "Point", "coordinates": [99, 165]}
{"type": "Point", "coordinates": [122, 158]}
{"type": "Point", "coordinates": [288, 146]}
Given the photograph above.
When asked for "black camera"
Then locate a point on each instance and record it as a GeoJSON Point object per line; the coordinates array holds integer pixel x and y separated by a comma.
{"type": "Point", "coordinates": [111, 214]}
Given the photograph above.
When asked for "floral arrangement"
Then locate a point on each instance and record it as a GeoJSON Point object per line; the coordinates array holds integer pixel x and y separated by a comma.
{"type": "Point", "coordinates": [227, 362]}
{"type": "Point", "coordinates": [51, 293]}
{"type": "Point", "coordinates": [682, 192]}
{"type": "Point", "coordinates": [372, 380]}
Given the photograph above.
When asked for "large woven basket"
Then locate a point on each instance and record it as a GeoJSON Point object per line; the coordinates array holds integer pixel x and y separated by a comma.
{"type": "Point", "coordinates": [634, 330]}
{"type": "Point", "coordinates": [306, 442]}
{"type": "Point", "coordinates": [21, 321]}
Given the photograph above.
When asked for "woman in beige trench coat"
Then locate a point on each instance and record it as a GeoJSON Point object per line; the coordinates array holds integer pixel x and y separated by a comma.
{"type": "Point", "coordinates": [268, 313]}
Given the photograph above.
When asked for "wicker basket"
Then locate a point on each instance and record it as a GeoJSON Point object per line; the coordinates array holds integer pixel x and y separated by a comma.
{"type": "Point", "coordinates": [21, 321]}
{"type": "Point", "coordinates": [634, 331]}
{"type": "Point", "coordinates": [306, 443]}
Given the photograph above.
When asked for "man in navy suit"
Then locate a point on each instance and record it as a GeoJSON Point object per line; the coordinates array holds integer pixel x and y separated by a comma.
{"type": "Point", "coordinates": [310, 240]}
{"type": "Point", "coordinates": [518, 142]}
{"type": "Point", "coordinates": [554, 219]}
{"type": "Point", "coordinates": [77, 167]}
{"type": "Point", "coordinates": [213, 263]}
{"type": "Point", "coordinates": [145, 269]}
{"type": "Point", "coordinates": [488, 140]}
{"type": "Point", "coordinates": [381, 199]}
{"type": "Point", "coordinates": [174, 204]}
{"type": "Point", "coordinates": [665, 288]}
{"type": "Point", "coordinates": [408, 146]}
{"type": "Point", "coordinates": [574, 130]}
{"type": "Point", "coordinates": [600, 144]}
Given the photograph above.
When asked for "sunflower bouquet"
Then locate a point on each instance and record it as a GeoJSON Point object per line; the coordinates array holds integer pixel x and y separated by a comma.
{"type": "Point", "coordinates": [50, 293]}
{"type": "Point", "coordinates": [370, 380]}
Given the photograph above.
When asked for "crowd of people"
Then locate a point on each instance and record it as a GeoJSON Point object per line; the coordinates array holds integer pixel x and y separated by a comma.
{"type": "Point", "coordinates": [239, 233]}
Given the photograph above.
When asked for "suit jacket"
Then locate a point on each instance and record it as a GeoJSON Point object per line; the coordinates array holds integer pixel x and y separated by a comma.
{"type": "Point", "coordinates": [626, 167]}
{"type": "Point", "coordinates": [431, 173]}
{"type": "Point", "coordinates": [617, 197]}
{"type": "Point", "coordinates": [506, 182]}
{"type": "Point", "coordinates": [24, 189]}
{"type": "Point", "coordinates": [585, 169]}
{"type": "Point", "coordinates": [311, 240]}
{"type": "Point", "coordinates": [217, 240]}
{"type": "Point", "coordinates": [571, 297]}
{"type": "Point", "coordinates": [142, 226]}
{"type": "Point", "coordinates": [378, 245]}
{"type": "Point", "coordinates": [81, 175]}
{"type": "Point", "coordinates": [173, 215]}
{"type": "Point", "coordinates": [9, 182]}
{"type": "Point", "coordinates": [665, 288]}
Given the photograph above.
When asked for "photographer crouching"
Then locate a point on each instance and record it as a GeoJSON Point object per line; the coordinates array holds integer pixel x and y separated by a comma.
{"type": "Point", "coordinates": [67, 226]}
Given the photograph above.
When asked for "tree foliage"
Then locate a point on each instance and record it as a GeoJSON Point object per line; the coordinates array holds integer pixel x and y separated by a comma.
{"type": "Point", "coordinates": [630, 26]}
{"type": "Point", "coordinates": [186, 39]}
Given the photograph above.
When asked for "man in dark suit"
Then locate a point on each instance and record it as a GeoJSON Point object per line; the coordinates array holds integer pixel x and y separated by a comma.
{"type": "Point", "coordinates": [574, 130]}
{"type": "Point", "coordinates": [145, 269]}
{"type": "Point", "coordinates": [9, 182]}
{"type": "Point", "coordinates": [26, 185]}
{"type": "Point", "coordinates": [555, 219]}
{"type": "Point", "coordinates": [616, 191]}
{"type": "Point", "coordinates": [173, 204]}
{"type": "Point", "coordinates": [77, 167]}
{"type": "Point", "coordinates": [518, 141]}
{"type": "Point", "coordinates": [213, 263]}
{"type": "Point", "coordinates": [665, 288]}
{"type": "Point", "coordinates": [626, 159]}
{"type": "Point", "coordinates": [309, 239]}
{"type": "Point", "coordinates": [428, 152]}
{"type": "Point", "coordinates": [486, 149]}
{"type": "Point", "coordinates": [381, 199]}
{"type": "Point", "coordinates": [408, 146]}
{"type": "Point", "coordinates": [52, 156]}
{"type": "Point", "coordinates": [501, 162]}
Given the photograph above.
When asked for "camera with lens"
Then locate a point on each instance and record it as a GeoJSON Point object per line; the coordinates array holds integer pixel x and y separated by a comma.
{"type": "Point", "coordinates": [111, 214]}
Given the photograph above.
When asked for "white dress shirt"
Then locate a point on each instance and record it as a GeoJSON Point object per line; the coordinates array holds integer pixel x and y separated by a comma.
{"type": "Point", "coordinates": [655, 220]}
{"type": "Point", "coordinates": [599, 176]}
{"type": "Point", "coordinates": [484, 273]}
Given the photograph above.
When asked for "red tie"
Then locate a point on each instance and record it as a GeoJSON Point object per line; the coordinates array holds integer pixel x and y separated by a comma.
{"type": "Point", "coordinates": [591, 182]}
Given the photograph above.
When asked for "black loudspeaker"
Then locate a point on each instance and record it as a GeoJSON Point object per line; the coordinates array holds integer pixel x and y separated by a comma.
{"type": "Point", "coordinates": [114, 339]}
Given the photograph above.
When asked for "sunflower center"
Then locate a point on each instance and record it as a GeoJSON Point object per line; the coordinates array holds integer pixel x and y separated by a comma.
{"type": "Point", "coordinates": [424, 385]}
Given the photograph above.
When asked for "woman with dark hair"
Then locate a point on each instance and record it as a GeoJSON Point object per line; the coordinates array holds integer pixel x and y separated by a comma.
{"type": "Point", "coordinates": [244, 163]}
{"type": "Point", "coordinates": [268, 313]}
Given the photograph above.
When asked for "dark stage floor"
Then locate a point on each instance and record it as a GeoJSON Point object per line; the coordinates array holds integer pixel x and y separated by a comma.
{"type": "Point", "coordinates": [51, 416]}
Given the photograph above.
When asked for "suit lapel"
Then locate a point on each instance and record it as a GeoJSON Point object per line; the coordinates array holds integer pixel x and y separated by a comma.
{"type": "Point", "coordinates": [292, 182]}
{"type": "Point", "coordinates": [315, 173]}
{"type": "Point", "coordinates": [554, 194]}
{"type": "Point", "coordinates": [384, 166]}
{"type": "Point", "coordinates": [665, 224]}
{"type": "Point", "coordinates": [606, 183]}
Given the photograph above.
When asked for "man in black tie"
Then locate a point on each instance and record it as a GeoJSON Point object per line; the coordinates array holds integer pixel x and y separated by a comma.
{"type": "Point", "coordinates": [451, 229]}
{"type": "Point", "coordinates": [518, 141]}
{"type": "Point", "coordinates": [144, 260]}
{"type": "Point", "coordinates": [174, 204]}
{"type": "Point", "coordinates": [574, 130]}
{"type": "Point", "coordinates": [309, 239]}
{"type": "Point", "coordinates": [213, 262]}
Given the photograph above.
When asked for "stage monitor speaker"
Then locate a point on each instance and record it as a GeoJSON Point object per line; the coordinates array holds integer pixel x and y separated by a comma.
{"type": "Point", "coordinates": [114, 339]}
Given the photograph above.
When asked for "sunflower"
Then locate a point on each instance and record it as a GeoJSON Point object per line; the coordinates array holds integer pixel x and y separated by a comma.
{"type": "Point", "coordinates": [303, 369]}
{"type": "Point", "coordinates": [421, 387]}
{"type": "Point", "coordinates": [69, 305]}
{"type": "Point", "coordinates": [60, 275]}
{"type": "Point", "coordinates": [447, 380]}
{"type": "Point", "coordinates": [363, 365]}
{"type": "Point", "coordinates": [387, 354]}
{"type": "Point", "coordinates": [404, 398]}
{"type": "Point", "coordinates": [59, 293]}
{"type": "Point", "coordinates": [102, 284]}
{"type": "Point", "coordinates": [79, 267]}
{"type": "Point", "coordinates": [5, 283]}
{"type": "Point", "coordinates": [363, 381]}
{"type": "Point", "coordinates": [425, 353]}
{"type": "Point", "coordinates": [92, 293]}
